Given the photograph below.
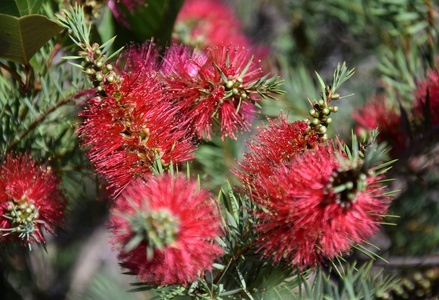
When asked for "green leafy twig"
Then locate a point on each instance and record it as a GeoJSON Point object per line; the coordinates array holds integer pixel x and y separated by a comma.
{"type": "Point", "coordinates": [38, 120]}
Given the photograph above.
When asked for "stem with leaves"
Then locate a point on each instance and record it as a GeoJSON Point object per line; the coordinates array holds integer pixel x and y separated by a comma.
{"type": "Point", "coordinates": [321, 108]}
{"type": "Point", "coordinates": [95, 57]}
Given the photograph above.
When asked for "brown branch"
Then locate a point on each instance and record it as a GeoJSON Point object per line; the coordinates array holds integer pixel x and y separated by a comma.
{"type": "Point", "coordinates": [407, 262]}
{"type": "Point", "coordinates": [13, 73]}
{"type": "Point", "coordinates": [430, 29]}
{"type": "Point", "coordinates": [232, 261]}
{"type": "Point", "coordinates": [39, 120]}
{"type": "Point", "coordinates": [56, 49]}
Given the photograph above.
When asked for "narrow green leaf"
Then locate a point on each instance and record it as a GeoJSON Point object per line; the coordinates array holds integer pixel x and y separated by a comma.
{"type": "Point", "coordinates": [223, 76]}
{"type": "Point", "coordinates": [28, 7]}
{"type": "Point", "coordinates": [107, 45]}
{"type": "Point", "coordinates": [320, 79]}
{"type": "Point", "coordinates": [114, 54]}
{"type": "Point", "coordinates": [418, 26]}
{"type": "Point", "coordinates": [133, 243]}
{"type": "Point", "coordinates": [76, 65]}
{"type": "Point", "coordinates": [219, 266]}
{"type": "Point", "coordinates": [231, 292]}
{"type": "Point", "coordinates": [231, 220]}
{"type": "Point", "coordinates": [70, 57]}
{"type": "Point", "coordinates": [105, 27]}
{"type": "Point", "coordinates": [141, 289]}
{"type": "Point", "coordinates": [246, 68]}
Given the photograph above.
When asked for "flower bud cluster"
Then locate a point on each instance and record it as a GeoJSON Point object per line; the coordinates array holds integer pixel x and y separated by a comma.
{"type": "Point", "coordinates": [97, 68]}
{"type": "Point", "coordinates": [23, 218]}
{"type": "Point", "coordinates": [133, 124]}
{"type": "Point", "coordinates": [236, 88]}
{"type": "Point", "coordinates": [419, 285]}
{"type": "Point", "coordinates": [159, 228]}
{"type": "Point", "coordinates": [314, 207]}
{"type": "Point", "coordinates": [217, 86]}
{"type": "Point", "coordinates": [345, 184]}
{"type": "Point", "coordinates": [321, 111]}
{"type": "Point", "coordinates": [31, 200]}
{"type": "Point", "coordinates": [166, 229]}
{"type": "Point", "coordinates": [23, 213]}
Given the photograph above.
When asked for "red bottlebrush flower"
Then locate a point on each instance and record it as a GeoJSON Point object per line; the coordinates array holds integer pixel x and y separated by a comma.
{"type": "Point", "coordinates": [165, 230]}
{"type": "Point", "coordinates": [30, 200]}
{"type": "Point", "coordinates": [379, 114]}
{"type": "Point", "coordinates": [205, 23]}
{"type": "Point", "coordinates": [314, 209]}
{"type": "Point", "coordinates": [276, 143]}
{"type": "Point", "coordinates": [141, 62]}
{"type": "Point", "coordinates": [118, 11]}
{"type": "Point", "coordinates": [215, 87]}
{"type": "Point", "coordinates": [432, 86]}
{"type": "Point", "coordinates": [133, 126]}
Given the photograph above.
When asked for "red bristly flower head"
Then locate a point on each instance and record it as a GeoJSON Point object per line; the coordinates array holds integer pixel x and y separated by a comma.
{"type": "Point", "coordinates": [205, 23]}
{"type": "Point", "coordinates": [276, 143]}
{"type": "Point", "coordinates": [219, 85]}
{"type": "Point", "coordinates": [378, 113]}
{"type": "Point", "coordinates": [30, 200]}
{"type": "Point", "coordinates": [134, 126]}
{"type": "Point", "coordinates": [165, 230]}
{"type": "Point", "coordinates": [315, 208]}
{"type": "Point", "coordinates": [432, 86]}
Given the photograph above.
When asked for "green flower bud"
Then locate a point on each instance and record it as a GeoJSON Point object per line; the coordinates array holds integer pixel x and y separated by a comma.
{"type": "Point", "coordinates": [99, 77]}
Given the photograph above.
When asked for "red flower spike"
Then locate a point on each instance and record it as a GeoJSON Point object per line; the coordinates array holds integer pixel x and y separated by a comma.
{"type": "Point", "coordinates": [134, 126]}
{"type": "Point", "coordinates": [30, 200]}
{"type": "Point", "coordinates": [378, 114]}
{"type": "Point", "coordinates": [165, 230]}
{"type": "Point", "coordinates": [432, 85]}
{"type": "Point", "coordinates": [141, 62]}
{"type": "Point", "coordinates": [312, 209]}
{"type": "Point", "coordinates": [276, 143]}
{"type": "Point", "coordinates": [204, 23]}
{"type": "Point", "coordinates": [215, 87]}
